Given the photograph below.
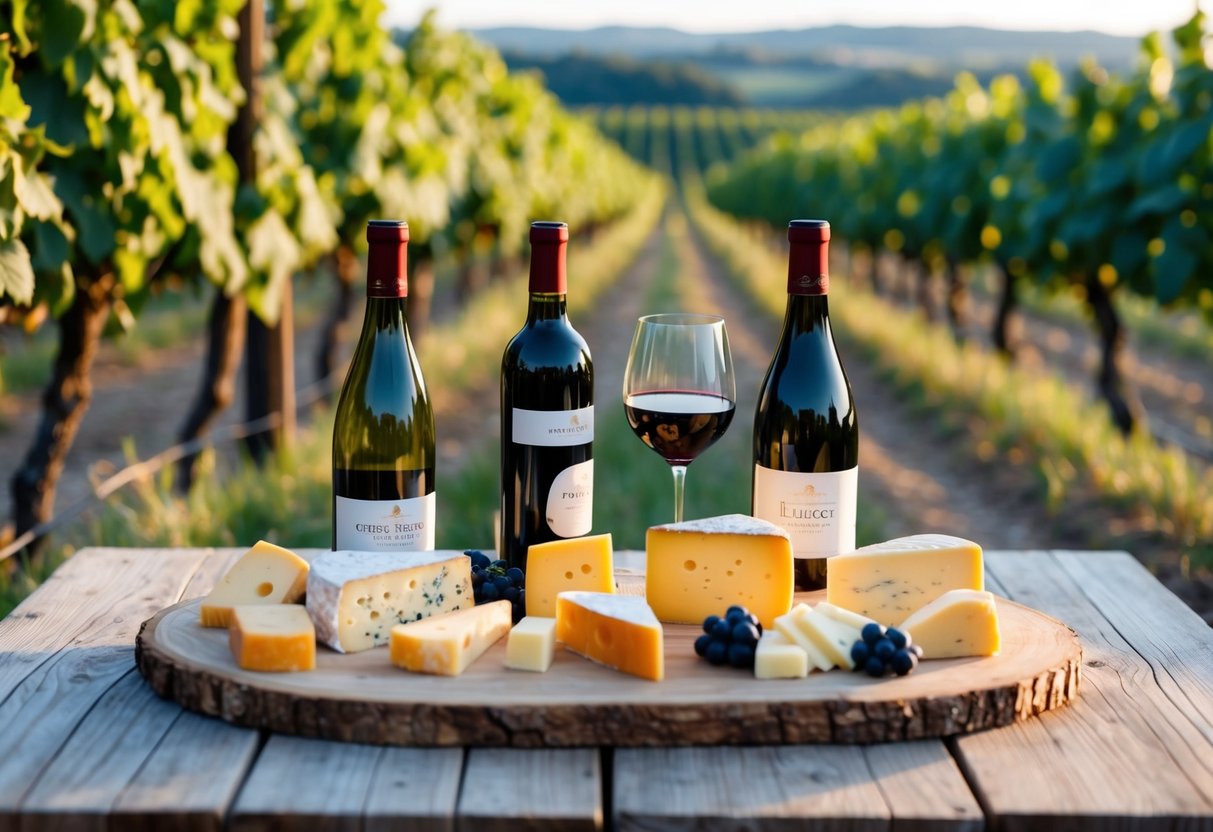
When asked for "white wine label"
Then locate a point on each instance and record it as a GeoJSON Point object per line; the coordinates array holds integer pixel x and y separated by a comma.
{"type": "Point", "coordinates": [570, 506]}
{"type": "Point", "coordinates": [386, 525]}
{"type": "Point", "coordinates": [817, 510]}
{"type": "Point", "coordinates": [554, 428]}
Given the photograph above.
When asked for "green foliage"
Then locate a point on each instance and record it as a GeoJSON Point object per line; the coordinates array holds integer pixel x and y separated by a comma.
{"type": "Point", "coordinates": [1101, 176]}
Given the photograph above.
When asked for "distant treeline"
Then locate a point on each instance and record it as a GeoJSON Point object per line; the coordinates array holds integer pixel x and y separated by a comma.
{"type": "Point", "coordinates": [579, 78]}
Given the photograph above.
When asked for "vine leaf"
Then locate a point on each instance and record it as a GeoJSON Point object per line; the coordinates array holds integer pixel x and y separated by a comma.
{"type": "Point", "coordinates": [16, 272]}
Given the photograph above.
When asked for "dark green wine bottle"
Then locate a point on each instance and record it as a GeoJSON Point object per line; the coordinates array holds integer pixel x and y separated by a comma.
{"type": "Point", "coordinates": [547, 412]}
{"type": "Point", "coordinates": [383, 432]}
{"type": "Point", "coordinates": [806, 433]}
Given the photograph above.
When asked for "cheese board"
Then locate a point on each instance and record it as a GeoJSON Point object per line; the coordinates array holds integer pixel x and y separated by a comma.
{"type": "Point", "coordinates": [362, 697]}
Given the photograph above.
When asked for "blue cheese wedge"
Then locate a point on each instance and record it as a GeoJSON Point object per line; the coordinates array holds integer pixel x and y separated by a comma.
{"type": "Point", "coordinates": [356, 598]}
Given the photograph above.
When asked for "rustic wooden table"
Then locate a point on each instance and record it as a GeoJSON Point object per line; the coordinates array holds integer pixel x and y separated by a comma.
{"type": "Point", "coordinates": [84, 744]}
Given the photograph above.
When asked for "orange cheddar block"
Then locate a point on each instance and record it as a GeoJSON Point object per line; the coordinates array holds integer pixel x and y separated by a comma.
{"type": "Point", "coordinates": [446, 645]}
{"type": "Point", "coordinates": [702, 567]}
{"type": "Point", "coordinates": [276, 639]}
{"type": "Point", "coordinates": [265, 574]}
{"type": "Point", "coordinates": [619, 631]}
{"type": "Point", "coordinates": [578, 563]}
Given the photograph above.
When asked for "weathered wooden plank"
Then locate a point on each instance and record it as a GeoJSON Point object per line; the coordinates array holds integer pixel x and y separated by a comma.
{"type": "Point", "coordinates": [190, 780]}
{"type": "Point", "coordinates": [924, 788]}
{"type": "Point", "coordinates": [414, 790]}
{"type": "Point", "coordinates": [760, 788]}
{"type": "Point", "coordinates": [1122, 757]}
{"type": "Point", "coordinates": [306, 784]}
{"type": "Point", "coordinates": [1174, 640]}
{"type": "Point", "coordinates": [535, 789]}
{"type": "Point", "coordinates": [71, 602]}
{"type": "Point", "coordinates": [45, 708]}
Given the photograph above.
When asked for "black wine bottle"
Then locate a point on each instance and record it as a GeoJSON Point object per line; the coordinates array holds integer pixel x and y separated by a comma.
{"type": "Point", "coordinates": [383, 432]}
{"type": "Point", "coordinates": [547, 412]}
{"type": "Point", "coordinates": [806, 432]}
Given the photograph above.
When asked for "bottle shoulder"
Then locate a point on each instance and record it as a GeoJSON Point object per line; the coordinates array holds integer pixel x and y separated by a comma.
{"type": "Point", "coordinates": [547, 344]}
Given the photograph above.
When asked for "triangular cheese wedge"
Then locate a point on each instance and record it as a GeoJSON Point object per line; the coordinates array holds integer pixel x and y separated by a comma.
{"type": "Point", "coordinates": [619, 631]}
{"type": "Point", "coordinates": [963, 622]}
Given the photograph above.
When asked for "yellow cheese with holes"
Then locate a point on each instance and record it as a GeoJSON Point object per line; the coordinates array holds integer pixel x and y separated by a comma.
{"type": "Point", "coordinates": [578, 563]}
{"type": "Point", "coordinates": [790, 629]}
{"type": "Point", "coordinates": [963, 622]}
{"type": "Point", "coordinates": [277, 638]}
{"type": "Point", "coordinates": [532, 644]}
{"type": "Point", "coordinates": [446, 645]}
{"type": "Point", "coordinates": [702, 567]}
{"type": "Point", "coordinates": [619, 631]}
{"type": "Point", "coordinates": [888, 581]}
{"type": "Point", "coordinates": [778, 658]}
{"type": "Point", "coordinates": [265, 574]}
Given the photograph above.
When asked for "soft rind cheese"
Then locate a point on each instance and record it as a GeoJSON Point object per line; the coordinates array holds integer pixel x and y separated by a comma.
{"type": "Point", "coordinates": [778, 658]}
{"type": "Point", "coordinates": [787, 626]}
{"type": "Point", "coordinates": [701, 567]}
{"type": "Point", "coordinates": [619, 631]}
{"type": "Point", "coordinates": [962, 622]}
{"type": "Point", "coordinates": [265, 574]}
{"type": "Point", "coordinates": [446, 645]}
{"type": "Point", "coordinates": [889, 581]}
{"type": "Point", "coordinates": [578, 563]}
{"type": "Point", "coordinates": [278, 638]}
{"type": "Point", "coordinates": [355, 598]}
{"type": "Point", "coordinates": [532, 644]}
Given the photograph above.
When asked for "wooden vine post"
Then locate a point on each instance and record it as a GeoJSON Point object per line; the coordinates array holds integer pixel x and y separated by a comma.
{"type": "Point", "coordinates": [270, 350]}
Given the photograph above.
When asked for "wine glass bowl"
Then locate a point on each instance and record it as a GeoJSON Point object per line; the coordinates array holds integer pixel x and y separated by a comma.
{"type": "Point", "coordinates": [679, 393]}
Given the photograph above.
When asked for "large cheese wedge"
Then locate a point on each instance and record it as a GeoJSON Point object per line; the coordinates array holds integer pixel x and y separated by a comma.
{"type": "Point", "coordinates": [702, 567]}
{"type": "Point", "coordinates": [962, 622]}
{"type": "Point", "coordinates": [787, 626]}
{"type": "Point", "coordinates": [276, 638]}
{"type": "Point", "coordinates": [532, 644]}
{"type": "Point", "coordinates": [778, 658]}
{"type": "Point", "coordinates": [578, 563]}
{"type": "Point", "coordinates": [265, 574]}
{"type": "Point", "coordinates": [447, 644]}
{"type": "Point", "coordinates": [355, 598]}
{"type": "Point", "coordinates": [888, 581]}
{"type": "Point", "coordinates": [619, 631]}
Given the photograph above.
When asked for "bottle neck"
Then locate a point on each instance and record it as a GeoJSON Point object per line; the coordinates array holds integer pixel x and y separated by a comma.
{"type": "Point", "coordinates": [807, 314]}
{"type": "Point", "coordinates": [387, 270]}
{"type": "Point", "coordinates": [546, 306]}
{"type": "Point", "coordinates": [809, 268]}
{"type": "Point", "coordinates": [384, 314]}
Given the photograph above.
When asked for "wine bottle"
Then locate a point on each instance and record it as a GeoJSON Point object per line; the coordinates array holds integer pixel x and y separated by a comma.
{"type": "Point", "coordinates": [547, 412]}
{"type": "Point", "coordinates": [806, 433]}
{"type": "Point", "coordinates": [383, 432]}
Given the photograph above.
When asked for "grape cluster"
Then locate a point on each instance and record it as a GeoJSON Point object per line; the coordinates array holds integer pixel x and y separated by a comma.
{"type": "Point", "coordinates": [883, 649]}
{"type": "Point", "coordinates": [496, 580]}
{"type": "Point", "coordinates": [730, 640]}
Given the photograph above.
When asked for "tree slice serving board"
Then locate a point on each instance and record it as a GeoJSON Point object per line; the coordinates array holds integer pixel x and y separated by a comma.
{"type": "Point", "coordinates": [363, 698]}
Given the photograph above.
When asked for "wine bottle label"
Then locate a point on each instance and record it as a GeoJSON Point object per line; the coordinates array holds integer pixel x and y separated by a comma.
{"type": "Point", "coordinates": [570, 506]}
{"type": "Point", "coordinates": [817, 510]}
{"type": "Point", "coordinates": [554, 428]}
{"type": "Point", "coordinates": [386, 525]}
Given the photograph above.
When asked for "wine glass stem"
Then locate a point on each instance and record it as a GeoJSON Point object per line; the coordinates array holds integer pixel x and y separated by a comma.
{"type": "Point", "coordinates": [680, 479]}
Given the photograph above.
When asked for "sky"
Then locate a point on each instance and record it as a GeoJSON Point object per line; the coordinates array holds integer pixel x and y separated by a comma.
{"type": "Point", "coordinates": [1121, 17]}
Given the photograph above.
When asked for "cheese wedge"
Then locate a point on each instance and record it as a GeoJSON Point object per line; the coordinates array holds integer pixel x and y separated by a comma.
{"type": "Point", "coordinates": [265, 574]}
{"type": "Point", "coordinates": [831, 637]}
{"type": "Point", "coordinates": [532, 644]}
{"type": "Point", "coordinates": [778, 658]}
{"type": "Point", "coordinates": [355, 598]}
{"type": "Point", "coordinates": [619, 631]}
{"type": "Point", "coordinates": [962, 622]}
{"type": "Point", "coordinates": [277, 638]}
{"type": "Point", "coordinates": [578, 563]}
{"type": "Point", "coordinates": [446, 645]}
{"type": "Point", "coordinates": [843, 616]}
{"type": "Point", "coordinates": [888, 581]}
{"type": "Point", "coordinates": [702, 567]}
{"type": "Point", "coordinates": [787, 626]}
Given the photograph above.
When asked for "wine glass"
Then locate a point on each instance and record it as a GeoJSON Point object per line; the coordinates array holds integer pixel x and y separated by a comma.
{"type": "Point", "coordinates": [678, 388]}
